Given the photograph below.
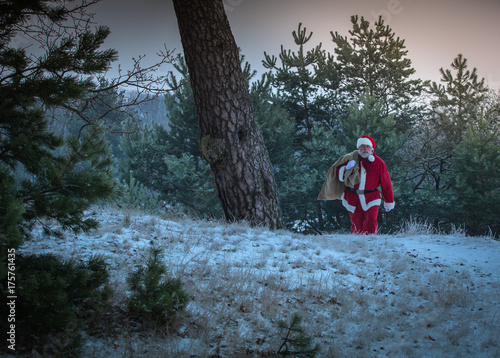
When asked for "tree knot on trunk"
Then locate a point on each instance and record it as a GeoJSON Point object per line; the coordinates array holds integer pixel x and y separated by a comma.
{"type": "Point", "coordinates": [212, 150]}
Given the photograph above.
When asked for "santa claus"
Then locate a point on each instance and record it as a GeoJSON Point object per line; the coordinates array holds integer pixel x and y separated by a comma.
{"type": "Point", "coordinates": [357, 179]}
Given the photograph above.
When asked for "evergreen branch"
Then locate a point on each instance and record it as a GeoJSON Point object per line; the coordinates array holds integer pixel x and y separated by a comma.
{"type": "Point", "coordinates": [295, 337]}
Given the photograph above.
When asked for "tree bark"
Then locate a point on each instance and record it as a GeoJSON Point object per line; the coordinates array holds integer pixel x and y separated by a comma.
{"type": "Point", "coordinates": [229, 137]}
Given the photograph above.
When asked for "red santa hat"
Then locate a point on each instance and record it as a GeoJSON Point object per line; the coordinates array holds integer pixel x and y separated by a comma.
{"type": "Point", "coordinates": [366, 140]}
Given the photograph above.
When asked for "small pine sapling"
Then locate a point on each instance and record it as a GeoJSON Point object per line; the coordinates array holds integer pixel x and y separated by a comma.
{"type": "Point", "coordinates": [295, 341]}
{"type": "Point", "coordinates": [137, 196]}
{"type": "Point", "coordinates": [154, 295]}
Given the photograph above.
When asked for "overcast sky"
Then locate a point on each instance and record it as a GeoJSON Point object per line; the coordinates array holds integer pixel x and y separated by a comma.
{"type": "Point", "coordinates": [435, 31]}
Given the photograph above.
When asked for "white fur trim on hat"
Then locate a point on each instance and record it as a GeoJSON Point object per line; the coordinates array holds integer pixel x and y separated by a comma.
{"type": "Point", "coordinates": [371, 158]}
{"type": "Point", "coordinates": [364, 141]}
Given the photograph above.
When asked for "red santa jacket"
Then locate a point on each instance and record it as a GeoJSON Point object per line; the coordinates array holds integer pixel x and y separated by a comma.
{"type": "Point", "coordinates": [371, 178]}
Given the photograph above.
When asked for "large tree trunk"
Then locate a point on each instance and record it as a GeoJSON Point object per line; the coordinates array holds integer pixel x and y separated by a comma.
{"type": "Point", "coordinates": [229, 137]}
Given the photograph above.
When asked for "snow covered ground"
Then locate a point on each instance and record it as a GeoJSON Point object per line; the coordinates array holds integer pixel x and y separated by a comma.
{"type": "Point", "coordinates": [405, 295]}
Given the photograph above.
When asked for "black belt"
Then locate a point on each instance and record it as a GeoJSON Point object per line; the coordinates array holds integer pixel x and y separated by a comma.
{"type": "Point", "coordinates": [362, 191]}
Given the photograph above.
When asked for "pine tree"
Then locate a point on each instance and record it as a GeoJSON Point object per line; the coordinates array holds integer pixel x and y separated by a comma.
{"type": "Point", "coordinates": [156, 296]}
{"type": "Point", "coordinates": [458, 107]}
{"type": "Point", "coordinates": [373, 62]}
{"type": "Point", "coordinates": [305, 80]}
{"type": "Point", "coordinates": [45, 175]}
{"type": "Point", "coordinates": [230, 138]}
{"type": "Point", "coordinates": [183, 133]}
{"type": "Point", "coordinates": [65, 185]}
{"type": "Point", "coordinates": [456, 104]}
{"type": "Point", "coordinates": [474, 190]}
{"type": "Point", "coordinates": [457, 99]}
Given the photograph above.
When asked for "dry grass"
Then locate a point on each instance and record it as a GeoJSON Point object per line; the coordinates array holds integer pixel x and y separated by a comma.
{"type": "Point", "coordinates": [416, 227]}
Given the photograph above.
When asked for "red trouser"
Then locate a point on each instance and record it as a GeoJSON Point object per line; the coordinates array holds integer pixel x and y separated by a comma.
{"type": "Point", "coordinates": [364, 222]}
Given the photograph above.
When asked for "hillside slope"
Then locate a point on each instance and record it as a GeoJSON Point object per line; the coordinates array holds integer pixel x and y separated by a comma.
{"type": "Point", "coordinates": [364, 296]}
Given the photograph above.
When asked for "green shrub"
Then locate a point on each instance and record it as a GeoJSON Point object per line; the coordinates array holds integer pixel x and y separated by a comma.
{"type": "Point", "coordinates": [57, 299]}
{"type": "Point", "coordinates": [154, 295]}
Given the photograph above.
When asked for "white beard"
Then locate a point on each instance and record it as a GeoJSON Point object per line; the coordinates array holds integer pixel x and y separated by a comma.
{"type": "Point", "coordinates": [364, 154]}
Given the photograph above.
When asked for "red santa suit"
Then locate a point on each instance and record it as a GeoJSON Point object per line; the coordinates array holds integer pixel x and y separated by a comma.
{"type": "Point", "coordinates": [358, 181]}
{"type": "Point", "coordinates": [361, 196]}
{"type": "Point", "coordinates": [364, 199]}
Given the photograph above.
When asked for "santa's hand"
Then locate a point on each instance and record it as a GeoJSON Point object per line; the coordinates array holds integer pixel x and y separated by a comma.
{"type": "Point", "coordinates": [350, 165]}
{"type": "Point", "coordinates": [388, 206]}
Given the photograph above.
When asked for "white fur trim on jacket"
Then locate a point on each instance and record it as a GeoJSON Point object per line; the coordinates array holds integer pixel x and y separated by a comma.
{"type": "Point", "coordinates": [362, 198]}
{"type": "Point", "coordinates": [349, 207]}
